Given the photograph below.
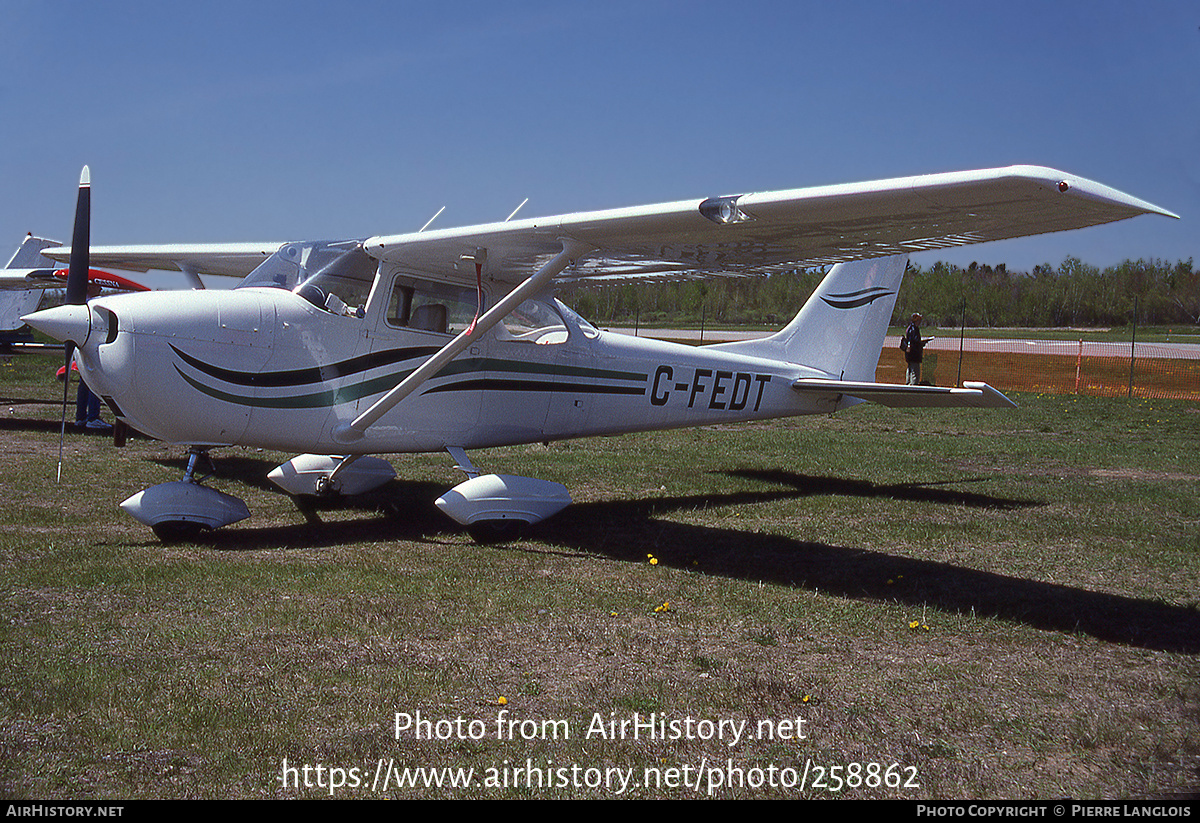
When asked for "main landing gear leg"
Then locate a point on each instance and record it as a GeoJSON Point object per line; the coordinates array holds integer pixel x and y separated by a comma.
{"type": "Point", "coordinates": [194, 455]}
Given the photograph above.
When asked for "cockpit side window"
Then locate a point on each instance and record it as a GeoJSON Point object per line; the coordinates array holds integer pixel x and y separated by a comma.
{"type": "Point", "coordinates": [400, 305]}
{"type": "Point", "coordinates": [427, 305]}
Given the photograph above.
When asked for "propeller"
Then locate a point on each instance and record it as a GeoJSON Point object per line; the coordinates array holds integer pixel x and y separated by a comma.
{"type": "Point", "coordinates": [77, 285]}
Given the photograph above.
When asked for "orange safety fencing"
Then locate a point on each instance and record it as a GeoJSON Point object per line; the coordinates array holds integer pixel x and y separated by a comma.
{"type": "Point", "coordinates": [1059, 367]}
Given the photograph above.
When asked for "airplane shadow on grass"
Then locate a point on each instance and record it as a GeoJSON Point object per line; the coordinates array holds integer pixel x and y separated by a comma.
{"type": "Point", "coordinates": [628, 530]}
{"type": "Point", "coordinates": [35, 424]}
{"type": "Point", "coordinates": [53, 426]}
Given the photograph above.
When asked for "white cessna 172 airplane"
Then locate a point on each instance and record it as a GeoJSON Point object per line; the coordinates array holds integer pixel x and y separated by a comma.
{"type": "Point", "coordinates": [452, 339]}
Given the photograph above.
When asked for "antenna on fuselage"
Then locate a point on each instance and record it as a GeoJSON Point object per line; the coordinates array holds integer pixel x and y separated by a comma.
{"type": "Point", "coordinates": [517, 209]}
{"type": "Point", "coordinates": [430, 220]}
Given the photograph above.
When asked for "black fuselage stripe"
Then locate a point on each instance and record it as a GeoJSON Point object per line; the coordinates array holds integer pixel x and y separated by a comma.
{"type": "Point", "coordinates": [315, 374]}
{"type": "Point", "coordinates": [502, 384]}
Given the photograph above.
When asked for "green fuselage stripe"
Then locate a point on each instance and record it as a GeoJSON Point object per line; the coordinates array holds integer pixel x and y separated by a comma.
{"type": "Point", "coordinates": [356, 391]}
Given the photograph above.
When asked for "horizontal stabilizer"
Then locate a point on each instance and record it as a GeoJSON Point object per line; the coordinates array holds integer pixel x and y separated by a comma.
{"type": "Point", "coordinates": [973, 395]}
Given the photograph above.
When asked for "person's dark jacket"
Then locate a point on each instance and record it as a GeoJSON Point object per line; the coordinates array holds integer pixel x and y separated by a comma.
{"type": "Point", "coordinates": [915, 345]}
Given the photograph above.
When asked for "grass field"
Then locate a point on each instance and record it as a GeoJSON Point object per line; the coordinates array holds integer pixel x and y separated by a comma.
{"type": "Point", "coordinates": [944, 604]}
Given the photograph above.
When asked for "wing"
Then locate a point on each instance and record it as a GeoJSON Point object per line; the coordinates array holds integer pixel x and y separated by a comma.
{"type": "Point", "coordinates": [775, 231]}
{"type": "Point", "coordinates": [27, 279]}
{"type": "Point", "coordinates": [720, 236]}
{"type": "Point", "coordinates": [230, 259]}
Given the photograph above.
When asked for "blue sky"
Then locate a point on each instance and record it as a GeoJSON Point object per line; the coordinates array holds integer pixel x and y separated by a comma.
{"type": "Point", "coordinates": [250, 121]}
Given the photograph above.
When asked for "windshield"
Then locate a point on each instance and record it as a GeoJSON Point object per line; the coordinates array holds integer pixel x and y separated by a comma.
{"type": "Point", "coordinates": [336, 276]}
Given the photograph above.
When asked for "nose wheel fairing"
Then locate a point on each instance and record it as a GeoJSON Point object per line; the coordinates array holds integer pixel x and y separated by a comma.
{"type": "Point", "coordinates": [182, 509]}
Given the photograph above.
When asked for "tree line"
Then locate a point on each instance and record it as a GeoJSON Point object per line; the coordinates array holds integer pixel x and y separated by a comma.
{"type": "Point", "coordinates": [1069, 295]}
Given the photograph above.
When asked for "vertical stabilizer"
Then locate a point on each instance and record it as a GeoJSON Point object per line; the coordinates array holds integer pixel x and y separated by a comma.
{"type": "Point", "coordinates": [29, 254]}
{"type": "Point", "coordinates": [840, 330]}
{"type": "Point", "coordinates": [16, 302]}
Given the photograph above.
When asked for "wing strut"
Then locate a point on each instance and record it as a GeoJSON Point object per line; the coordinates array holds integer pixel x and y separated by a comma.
{"type": "Point", "coordinates": [193, 276]}
{"type": "Point", "coordinates": [347, 433]}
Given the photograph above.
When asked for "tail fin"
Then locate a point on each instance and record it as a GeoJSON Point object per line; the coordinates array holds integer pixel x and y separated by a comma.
{"type": "Point", "coordinates": [840, 330]}
{"type": "Point", "coordinates": [29, 255]}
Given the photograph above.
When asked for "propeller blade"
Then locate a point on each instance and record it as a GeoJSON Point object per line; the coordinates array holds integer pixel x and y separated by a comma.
{"type": "Point", "coordinates": [77, 272]}
{"type": "Point", "coordinates": [77, 285]}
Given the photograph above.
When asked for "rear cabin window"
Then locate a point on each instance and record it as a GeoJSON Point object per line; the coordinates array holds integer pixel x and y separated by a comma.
{"type": "Point", "coordinates": [534, 321]}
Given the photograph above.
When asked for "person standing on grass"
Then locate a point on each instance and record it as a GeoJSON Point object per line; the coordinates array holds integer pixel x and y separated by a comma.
{"type": "Point", "coordinates": [913, 347]}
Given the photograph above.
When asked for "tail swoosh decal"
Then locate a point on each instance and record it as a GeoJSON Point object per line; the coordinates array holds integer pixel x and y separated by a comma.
{"type": "Point", "coordinates": [854, 299]}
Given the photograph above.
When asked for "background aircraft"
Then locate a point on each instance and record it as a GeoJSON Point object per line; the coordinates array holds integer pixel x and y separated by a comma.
{"type": "Point", "coordinates": [29, 273]}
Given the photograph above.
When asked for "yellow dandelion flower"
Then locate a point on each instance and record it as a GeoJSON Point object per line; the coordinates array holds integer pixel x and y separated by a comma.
{"type": "Point", "coordinates": [914, 624]}
{"type": "Point", "coordinates": [653, 561]}
{"type": "Point", "coordinates": [503, 701]}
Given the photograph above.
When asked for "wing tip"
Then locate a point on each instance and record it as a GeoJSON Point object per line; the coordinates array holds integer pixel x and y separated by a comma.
{"type": "Point", "coordinates": [1067, 183]}
{"type": "Point", "coordinates": [991, 398]}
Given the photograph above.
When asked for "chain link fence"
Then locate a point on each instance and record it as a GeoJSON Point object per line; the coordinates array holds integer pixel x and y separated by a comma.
{"type": "Point", "coordinates": [1055, 366]}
